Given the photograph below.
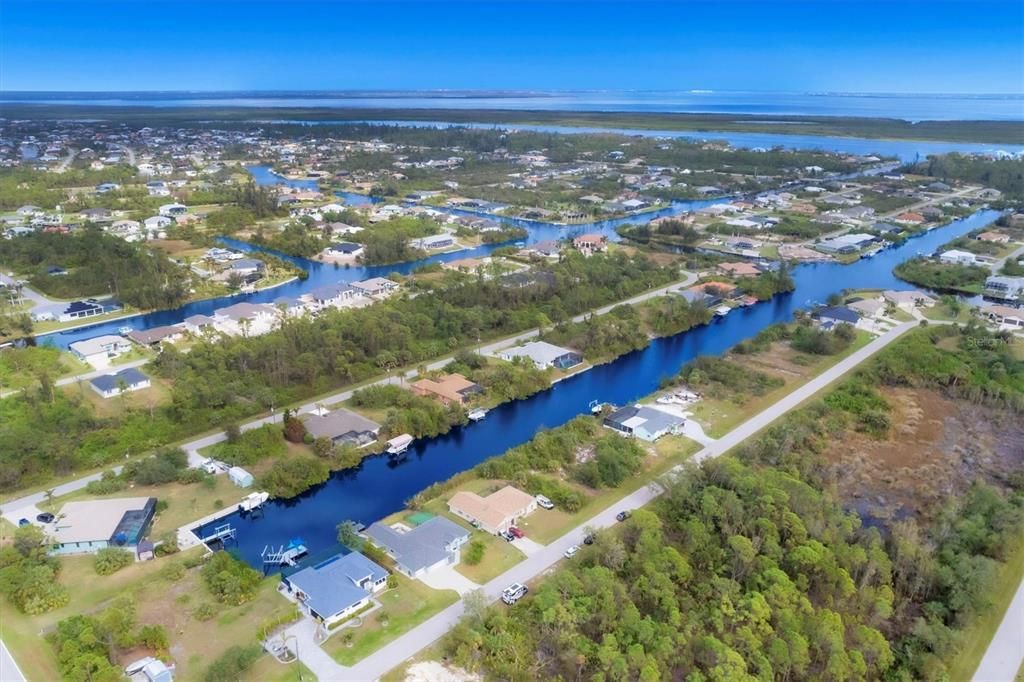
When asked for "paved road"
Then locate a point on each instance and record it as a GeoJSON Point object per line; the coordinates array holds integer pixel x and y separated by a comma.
{"type": "Point", "coordinates": [9, 670]}
{"type": "Point", "coordinates": [1005, 653]}
{"type": "Point", "coordinates": [998, 265]}
{"type": "Point", "coordinates": [391, 655]}
{"type": "Point", "coordinates": [195, 459]}
{"type": "Point", "coordinates": [66, 161]}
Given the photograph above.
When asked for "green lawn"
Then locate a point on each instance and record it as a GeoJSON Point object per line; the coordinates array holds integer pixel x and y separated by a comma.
{"type": "Point", "coordinates": [973, 640]}
{"type": "Point", "coordinates": [720, 416]}
{"type": "Point", "coordinates": [405, 606]}
{"type": "Point", "coordinates": [499, 556]}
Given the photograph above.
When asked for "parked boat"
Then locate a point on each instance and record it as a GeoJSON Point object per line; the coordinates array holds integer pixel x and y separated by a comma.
{"type": "Point", "coordinates": [399, 444]}
{"type": "Point", "coordinates": [596, 407]}
{"type": "Point", "coordinates": [125, 330]}
{"type": "Point", "coordinates": [253, 501]}
{"type": "Point", "coordinates": [477, 414]}
{"type": "Point", "coordinates": [722, 310]}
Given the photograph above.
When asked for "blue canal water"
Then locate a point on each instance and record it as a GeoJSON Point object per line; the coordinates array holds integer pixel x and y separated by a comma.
{"type": "Point", "coordinates": [320, 274]}
{"type": "Point", "coordinates": [379, 487]}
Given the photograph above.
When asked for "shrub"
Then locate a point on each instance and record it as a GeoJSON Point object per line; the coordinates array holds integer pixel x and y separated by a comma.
{"type": "Point", "coordinates": [172, 571]}
{"type": "Point", "coordinates": [289, 477]}
{"type": "Point", "coordinates": [229, 580]}
{"type": "Point", "coordinates": [204, 611]}
{"type": "Point", "coordinates": [230, 665]}
{"type": "Point", "coordinates": [111, 560]}
{"type": "Point", "coordinates": [474, 553]}
{"type": "Point", "coordinates": [107, 484]}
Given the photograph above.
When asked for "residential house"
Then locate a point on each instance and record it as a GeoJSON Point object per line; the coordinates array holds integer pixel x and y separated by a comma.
{"type": "Point", "coordinates": [645, 422]}
{"type": "Point", "coordinates": [496, 512]}
{"type": "Point", "coordinates": [739, 269]}
{"type": "Point", "coordinates": [95, 215]}
{"type": "Point", "coordinates": [544, 249]}
{"type": "Point", "coordinates": [832, 316]}
{"type": "Point", "coordinates": [847, 243]}
{"type": "Point", "coordinates": [156, 335]}
{"type": "Point", "coordinates": [100, 350]}
{"type": "Point", "coordinates": [993, 237]}
{"type": "Point", "coordinates": [422, 549]}
{"type": "Point", "coordinates": [197, 324]}
{"type": "Point", "coordinates": [331, 295]}
{"type": "Point", "coordinates": [543, 355]}
{"type": "Point", "coordinates": [590, 243]}
{"type": "Point", "coordinates": [90, 525]}
{"type": "Point", "coordinates": [344, 250]}
{"type": "Point", "coordinates": [868, 307]}
{"type": "Point", "coordinates": [1002, 286]}
{"type": "Point", "coordinates": [1004, 315]}
{"type": "Point", "coordinates": [433, 242]}
{"type": "Point", "coordinates": [337, 588]}
{"type": "Point", "coordinates": [377, 287]}
{"type": "Point", "coordinates": [342, 426]}
{"type": "Point", "coordinates": [157, 222]}
{"type": "Point", "coordinates": [451, 388]}
{"type": "Point", "coordinates": [910, 218]}
{"type": "Point", "coordinates": [958, 257]}
{"type": "Point", "coordinates": [909, 300]}
{"type": "Point", "coordinates": [246, 319]}
{"type": "Point", "coordinates": [173, 210]}
{"type": "Point", "coordinates": [126, 380]}
{"type": "Point", "coordinates": [76, 310]}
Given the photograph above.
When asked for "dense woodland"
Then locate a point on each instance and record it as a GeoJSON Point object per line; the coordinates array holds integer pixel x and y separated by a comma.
{"type": "Point", "coordinates": [1005, 175]}
{"type": "Point", "coordinates": [750, 567]}
{"type": "Point", "coordinates": [97, 264]}
{"type": "Point", "coordinates": [930, 273]}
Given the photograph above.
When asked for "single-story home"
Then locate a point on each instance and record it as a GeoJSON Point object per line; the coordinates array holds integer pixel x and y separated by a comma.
{"type": "Point", "coordinates": [958, 257]}
{"type": "Point", "coordinates": [337, 588]}
{"type": "Point", "coordinates": [67, 312]}
{"type": "Point", "coordinates": [434, 241]}
{"type": "Point", "coordinates": [344, 250]}
{"type": "Point", "coordinates": [447, 389]}
{"type": "Point", "coordinates": [643, 421]}
{"type": "Point", "coordinates": [831, 316]}
{"type": "Point", "coordinates": [909, 300]}
{"type": "Point", "coordinates": [195, 324]}
{"type": "Point", "coordinates": [847, 243]}
{"type": "Point", "coordinates": [99, 350]}
{"type": "Point", "coordinates": [156, 335]}
{"type": "Point", "coordinates": [1004, 315]}
{"type": "Point", "coordinates": [739, 269]}
{"type": "Point", "coordinates": [993, 237]}
{"type": "Point", "coordinates": [543, 355]}
{"type": "Point", "coordinates": [173, 209]}
{"type": "Point", "coordinates": [496, 512]}
{"type": "Point", "coordinates": [868, 307]}
{"type": "Point", "coordinates": [376, 286]}
{"type": "Point", "coordinates": [332, 295]}
{"type": "Point", "coordinates": [420, 550]}
{"type": "Point", "coordinates": [246, 319]}
{"type": "Point", "coordinates": [343, 426]}
{"type": "Point", "coordinates": [129, 379]}
{"type": "Point", "coordinates": [91, 525]}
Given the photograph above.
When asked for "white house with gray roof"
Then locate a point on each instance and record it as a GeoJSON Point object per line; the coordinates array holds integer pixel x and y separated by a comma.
{"type": "Point", "coordinates": [420, 550]}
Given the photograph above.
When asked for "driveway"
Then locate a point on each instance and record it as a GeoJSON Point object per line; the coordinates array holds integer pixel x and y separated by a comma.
{"type": "Point", "coordinates": [527, 546]}
{"type": "Point", "coordinates": [447, 578]}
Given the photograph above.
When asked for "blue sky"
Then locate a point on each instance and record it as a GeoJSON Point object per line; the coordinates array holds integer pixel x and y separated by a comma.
{"type": "Point", "coordinates": [948, 46]}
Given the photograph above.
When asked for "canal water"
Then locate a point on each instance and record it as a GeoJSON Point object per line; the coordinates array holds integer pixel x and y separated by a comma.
{"type": "Point", "coordinates": [320, 274]}
{"type": "Point", "coordinates": [379, 487]}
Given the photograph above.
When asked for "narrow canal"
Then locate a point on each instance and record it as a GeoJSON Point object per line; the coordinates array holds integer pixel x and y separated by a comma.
{"type": "Point", "coordinates": [379, 487]}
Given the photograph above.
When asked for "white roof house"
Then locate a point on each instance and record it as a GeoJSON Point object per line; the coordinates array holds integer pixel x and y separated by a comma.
{"type": "Point", "coordinates": [958, 257]}
{"type": "Point", "coordinates": [543, 355]}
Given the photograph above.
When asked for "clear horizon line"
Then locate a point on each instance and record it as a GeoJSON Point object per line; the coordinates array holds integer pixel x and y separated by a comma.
{"type": "Point", "coordinates": [536, 92]}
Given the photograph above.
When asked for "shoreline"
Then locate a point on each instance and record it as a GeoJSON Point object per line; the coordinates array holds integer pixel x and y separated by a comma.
{"type": "Point", "coordinates": [991, 131]}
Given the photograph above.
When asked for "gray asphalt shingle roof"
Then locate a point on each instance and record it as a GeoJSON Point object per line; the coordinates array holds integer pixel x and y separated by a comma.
{"type": "Point", "coordinates": [423, 546]}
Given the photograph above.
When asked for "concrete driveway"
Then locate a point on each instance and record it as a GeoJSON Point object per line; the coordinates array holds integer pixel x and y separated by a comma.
{"type": "Point", "coordinates": [527, 546]}
{"type": "Point", "coordinates": [447, 578]}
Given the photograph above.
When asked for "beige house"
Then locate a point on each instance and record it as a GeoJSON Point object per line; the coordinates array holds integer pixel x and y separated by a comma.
{"type": "Point", "coordinates": [497, 511]}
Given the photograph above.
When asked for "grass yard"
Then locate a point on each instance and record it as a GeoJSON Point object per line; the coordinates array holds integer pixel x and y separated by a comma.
{"type": "Point", "coordinates": [157, 600]}
{"type": "Point", "coordinates": [499, 556]}
{"type": "Point", "coordinates": [267, 669]}
{"type": "Point", "coordinates": [404, 607]}
{"type": "Point", "coordinates": [973, 640]}
{"type": "Point", "coordinates": [720, 416]}
{"type": "Point", "coordinates": [147, 398]}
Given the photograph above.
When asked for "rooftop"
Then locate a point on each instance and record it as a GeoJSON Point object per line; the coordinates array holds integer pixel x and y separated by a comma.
{"type": "Point", "coordinates": [423, 546]}
{"type": "Point", "coordinates": [95, 520]}
{"type": "Point", "coordinates": [334, 585]}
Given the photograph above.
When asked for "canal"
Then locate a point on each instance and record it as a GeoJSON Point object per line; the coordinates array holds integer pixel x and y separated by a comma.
{"type": "Point", "coordinates": [379, 487]}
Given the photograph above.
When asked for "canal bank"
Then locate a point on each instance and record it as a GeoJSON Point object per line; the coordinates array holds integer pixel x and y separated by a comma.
{"type": "Point", "coordinates": [379, 486]}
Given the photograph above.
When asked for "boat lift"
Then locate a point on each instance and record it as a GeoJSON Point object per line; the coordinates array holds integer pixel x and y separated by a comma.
{"type": "Point", "coordinates": [285, 555]}
{"type": "Point", "coordinates": [220, 534]}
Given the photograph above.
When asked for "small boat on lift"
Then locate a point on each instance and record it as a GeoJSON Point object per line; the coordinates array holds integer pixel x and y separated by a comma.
{"type": "Point", "coordinates": [722, 310]}
{"type": "Point", "coordinates": [596, 407]}
{"type": "Point", "coordinates": [125, 330]}
{"type": "Point", "coordinates": [253, 501]}
{"type": "Point", "coordinates": [399, 444]}
{"type": "Point", "coordinates": [477, 414]}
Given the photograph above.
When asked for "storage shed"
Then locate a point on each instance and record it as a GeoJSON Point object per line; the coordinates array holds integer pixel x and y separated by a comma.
{"type": "Point", "coordinates": [240, 477]}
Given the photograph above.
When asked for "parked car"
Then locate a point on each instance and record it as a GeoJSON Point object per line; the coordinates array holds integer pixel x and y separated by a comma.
{"type": "Point", "coordinates": [516, 532]}
{"type": "Point", "coordinates": [623, 515]}
{"type": "Point", "coordinates": [23, 522]}
{"type": "Point", "coordinates": [513, 593]}
{"type": "Point", "coordinates": [508, 536]}
{"type": "Point", "coordinates": [45, 517]}
{"type": "Point", "coordinates": [589, 539]}
{"type": "Point", "coordinates": [571, 552]}
{"type": "Point", "coordinates": [545, 502]}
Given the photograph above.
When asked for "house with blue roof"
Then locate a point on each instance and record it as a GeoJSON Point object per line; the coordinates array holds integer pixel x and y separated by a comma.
{"type": "Point", "coordinates": [110, 385]}
{"type": "Point", "coordinates": [337, 588]}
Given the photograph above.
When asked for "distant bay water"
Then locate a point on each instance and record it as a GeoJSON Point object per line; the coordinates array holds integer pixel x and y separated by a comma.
{"type": "Point", "coordinates": [911, 107]}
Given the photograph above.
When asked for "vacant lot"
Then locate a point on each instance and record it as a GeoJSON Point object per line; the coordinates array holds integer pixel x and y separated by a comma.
{"type": "Point", "coordinates": [937, 447]}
